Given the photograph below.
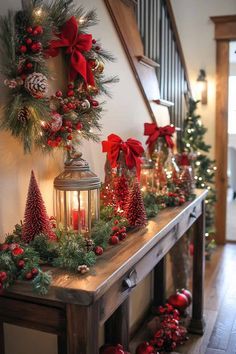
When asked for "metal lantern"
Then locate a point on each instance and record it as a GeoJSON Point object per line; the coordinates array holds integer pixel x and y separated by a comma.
{"type": "Point", "coordinates": [77, 197]}
{"type": "Point", "coordinates": [147, 175]}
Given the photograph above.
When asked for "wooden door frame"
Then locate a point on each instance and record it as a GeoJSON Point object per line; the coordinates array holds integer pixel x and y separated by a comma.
{"type": "Point", "coordinates": [225, 31]}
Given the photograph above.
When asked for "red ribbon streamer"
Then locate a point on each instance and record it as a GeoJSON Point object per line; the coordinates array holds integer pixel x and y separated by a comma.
{"type": "Point", "coordinates": [132, 150]}
{"type": "Point", "coordinates": [75, 44]}
{"type": "Point", "coordinates": [154, 132]}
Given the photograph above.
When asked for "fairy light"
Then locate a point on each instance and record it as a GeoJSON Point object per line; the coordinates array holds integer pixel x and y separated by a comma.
{"type": "Point", "coordinates": [209, 188]}
{"type": "Point", "coordinates": [208, 170]}
{"type": "Point", "coordinates": [214, 168]}
{"type": "Point", "coordinates": [188, 145]}
{"type": "Point", "coordinates": [196, 177]}
{"type": "Point", "coordinates": [203, 185]}
{"type": "Point", "coordinates": [198, 163]}
{"type": "Point", "coordinates": [200, 178]}
{"type": "Point", "coordinates": [206, 234]}
{"type": "Point", "coordinates": [81, 20]}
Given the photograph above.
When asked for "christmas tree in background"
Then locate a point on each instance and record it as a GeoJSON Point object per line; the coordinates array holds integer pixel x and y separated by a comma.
{"type": "Point", "coordinates": [135, 210]}
{"type": "Point", "coordinates": [36, 220]}
{"type": "Point", "coordinates": [204, 168]}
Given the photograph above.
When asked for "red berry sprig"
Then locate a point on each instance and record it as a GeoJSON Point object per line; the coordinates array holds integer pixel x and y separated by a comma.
{"type": "Point", "coordinates": [118, 233]}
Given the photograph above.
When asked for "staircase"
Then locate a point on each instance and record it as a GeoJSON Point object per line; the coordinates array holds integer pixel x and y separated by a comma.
{"type": "Point", "coordinates": [150, 38]}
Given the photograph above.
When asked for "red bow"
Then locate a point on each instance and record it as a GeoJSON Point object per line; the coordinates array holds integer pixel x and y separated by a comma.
{"type": "Point", "coordinates": [76, 44]}
{"type": "Point", "coordinates": [132, 150]}
{"type": "Point", "coordinates": [154, 132]}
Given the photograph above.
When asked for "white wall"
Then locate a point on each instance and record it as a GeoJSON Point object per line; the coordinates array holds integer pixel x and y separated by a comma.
{"type": "Point", "coordinates": [197, 37]}
{"type": "Point", "coordinates": [124, 115]}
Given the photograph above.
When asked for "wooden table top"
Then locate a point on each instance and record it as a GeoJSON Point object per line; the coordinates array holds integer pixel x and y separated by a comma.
{"type": "Point", "coordinates": [114, 263]}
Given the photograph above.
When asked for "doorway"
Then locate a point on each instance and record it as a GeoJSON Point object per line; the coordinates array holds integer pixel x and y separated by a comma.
{"type": "Point", "coordinates": [225, 32]}
{"type": "Point", "coordinates": [231, 171]}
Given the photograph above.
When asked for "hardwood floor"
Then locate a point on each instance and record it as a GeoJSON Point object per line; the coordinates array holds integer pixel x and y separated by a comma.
{"type": "Point", "coordinates": [220, 306]}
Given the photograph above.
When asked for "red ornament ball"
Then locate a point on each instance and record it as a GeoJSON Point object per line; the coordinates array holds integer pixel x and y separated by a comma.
{"type": "Point", "coordinates": [110, 349]}
{"type": "Point", "coordinates": [98, 250]}
{"type": "Point", "coordinates": [36, 47]}
{"type": "Point", "coordinates": [34, 272]}
{"type": "Point", "coordinates": [38, 30]}
{"type": "Point", "coordinates": [178, 300]}
{"type": "Point", "coordinates": [70, 93]}
{"type": "Point", "coordinates": [29, 66]}
{"type": "Point", "coordinates": [94, 103]}
{"type": "Point", "coordinates": [17, 252]}
{"type": "Point", "coordinates": [145, 348]}
{"type": "Point", "coordinates": [79, 126]}
{"type": "Point", "coordinates": [188, 294]}
{"type": "Point", "coordinates": [3, 276]}
{"type": "Point", "coordinates": [29, 29]}
{"type": "Point", "coordinates": [28, 41]}
{"type": "Point", "coordinates": [28, 276]}
{"type": "Point", "coordinates": [69, 137]}
{"type": "Point", "coordinates": [21, 263]}
{"type": "Point", "coordinates": [59, 93]}
{"type": "Point", "coordinates": [114, 240]}
{"type": "Point", "coordinates": [23, 49]}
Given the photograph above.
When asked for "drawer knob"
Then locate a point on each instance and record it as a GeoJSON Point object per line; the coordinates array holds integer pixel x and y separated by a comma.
{"type": "Point", "coordinates": [130, 281]}
{"type": "Point", "coordinates": [193, 215]}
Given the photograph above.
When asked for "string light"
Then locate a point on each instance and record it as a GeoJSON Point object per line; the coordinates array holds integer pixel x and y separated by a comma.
{"type": "Point", "coordinates": [198, 163]}
{"type": "Point", "coordinates": [206, 234]}
{"type": "Point", "coordinates": [200, 178]}
{"type": "Point", "coordinates": [214, 168]}
{"type": "Point", "coordinates": [203, 184]}
{"type": "Point", "coordinates": [208, 170]}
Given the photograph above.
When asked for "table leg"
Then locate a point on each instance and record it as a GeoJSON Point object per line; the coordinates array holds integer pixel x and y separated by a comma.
{"type": "Point", "coordinates": [117, 326]}
{"type": "Point", "coordinates": [61, 344]}
{"type": "Point", "coordinates": [2, 345]}
{"type": "Point", "coordinates": [160, 283]}
{"type": "Point", "coordinates": [82, 329]}
{"type": "Point", "coordinates": [197, 322]}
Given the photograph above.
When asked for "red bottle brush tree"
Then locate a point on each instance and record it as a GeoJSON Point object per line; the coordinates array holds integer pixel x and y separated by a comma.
{"type": "Point", "coordinates": [135, 210]}
{"type": "Point", "coordinates": [36, 220]}
{"type": "Point", "coordinates": [121, 192]}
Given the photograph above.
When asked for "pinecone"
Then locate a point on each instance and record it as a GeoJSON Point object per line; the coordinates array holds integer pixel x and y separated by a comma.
{"type": "Point", "coordinates": [23, 115]}
{"type": "Point", "coordinates": [37, 85]}
{"type": "Point", "coordinates": [89, 244]}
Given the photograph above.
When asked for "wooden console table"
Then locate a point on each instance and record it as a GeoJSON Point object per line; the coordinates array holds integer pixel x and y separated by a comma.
{"type": "Point", "coordinates": [76, 305]}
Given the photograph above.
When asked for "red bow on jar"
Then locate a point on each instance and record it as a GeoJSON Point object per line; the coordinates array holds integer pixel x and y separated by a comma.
{"type": "Point", "coordinates": [154, 132]}
{"type": "Point", "coordinates": [132, 150]}
{"type": "Point", "coordinates": [75, 44]}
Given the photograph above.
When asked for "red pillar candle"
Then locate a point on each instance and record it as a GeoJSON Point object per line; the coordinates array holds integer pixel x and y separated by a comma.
{"type": "Point", "coordinates": [76, 219]}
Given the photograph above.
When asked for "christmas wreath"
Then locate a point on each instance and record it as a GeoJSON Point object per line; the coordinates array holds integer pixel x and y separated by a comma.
{"type": "Point", "coordinates": [28, 38]}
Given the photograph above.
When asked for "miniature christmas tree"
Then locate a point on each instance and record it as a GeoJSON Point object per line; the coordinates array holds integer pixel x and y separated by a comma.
{"type": "Point", "coordinates": [135, 210]}
{"type": "Point", "coordinates": [204, 167]}
{"type": "Point", "coordinates": [36, 220]}
{"type": "Point", "coordinates": [121, 192]}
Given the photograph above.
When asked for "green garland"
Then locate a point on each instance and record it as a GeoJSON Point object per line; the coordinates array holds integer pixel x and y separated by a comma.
{"type": "Point", "coordinates": [65, 118]}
